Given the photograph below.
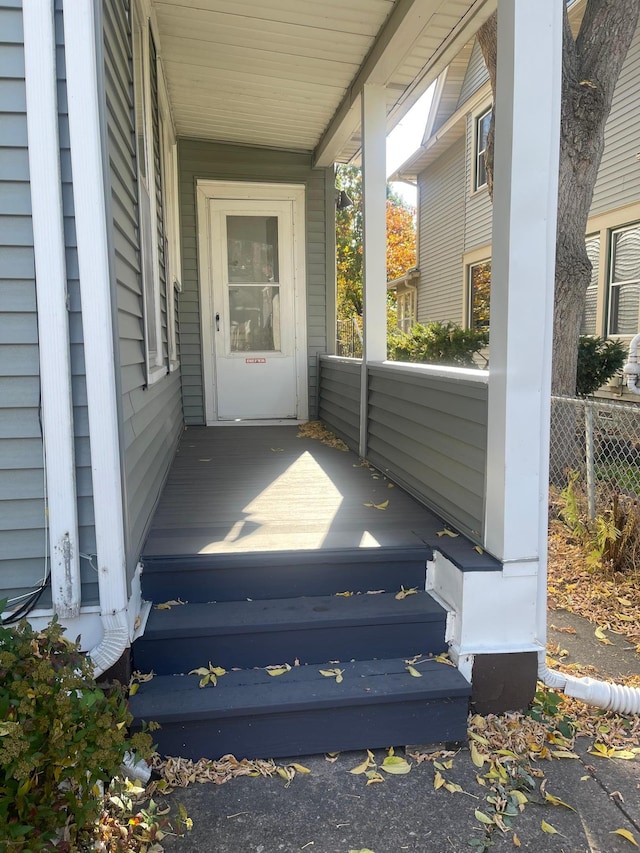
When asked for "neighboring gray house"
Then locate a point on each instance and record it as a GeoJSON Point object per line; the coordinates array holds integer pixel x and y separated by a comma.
{"type": "Point", "coordinates": [167, 202]}
{"type": "Point", "coordinates": [455, 211]}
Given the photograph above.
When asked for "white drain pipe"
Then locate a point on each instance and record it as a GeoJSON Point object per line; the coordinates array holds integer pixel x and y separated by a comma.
{"type": "Point", "coordinates": [601, 694]}
{"type": "Point", "coordinates": [631, 369]}
{"type": "Point", "coordinates": [89, 198]}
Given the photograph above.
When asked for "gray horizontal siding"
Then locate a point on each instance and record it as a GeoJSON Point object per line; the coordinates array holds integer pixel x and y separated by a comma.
{"type": "Point", "coordinates": [23, 546]}
{"type": "Point", "coordinates": [441, 242]}
{"type": "Point", "coordinates": [478, 220]}
{"type": "Point", "coordinates": [430, 434]}
{"type": "Point", "coordinates": [475, 76]}
{"type": "Point", "coordinates": [213, 161]}
{"type": "Point", "coordinates": [23, 538]}
{"type": "Point", "coordinates": [152, 416]}
{"type": "Point", "coordinates": [619, 174]}
{"type": "Point", "coordinates": [339, 398]}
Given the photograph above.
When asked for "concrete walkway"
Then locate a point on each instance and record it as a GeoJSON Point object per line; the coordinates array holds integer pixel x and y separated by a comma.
{"type": "Point", "coordinates": [330, 810]}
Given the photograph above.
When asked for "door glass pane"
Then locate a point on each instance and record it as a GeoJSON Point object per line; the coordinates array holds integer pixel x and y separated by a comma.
{"type": "Point", "coordinates": [254, 313]}
{"type": "Point", "coordinates": [252, 249]}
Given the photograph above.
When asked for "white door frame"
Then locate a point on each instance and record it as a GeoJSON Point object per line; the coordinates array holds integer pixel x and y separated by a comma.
{"type": "Point", "coordinates": [248, 191]}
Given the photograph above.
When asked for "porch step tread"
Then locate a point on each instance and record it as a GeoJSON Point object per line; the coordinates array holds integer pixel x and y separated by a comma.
{"type": "Point", "coordinates": [252, 714]}
{"type": "Point", "coordinates": [282, 574]}
{"type": "Point", "coordinates": [314, 629]}
{"type": "Point", "coordinates": [176, 698]}
{"type": "Point", "coordinates": [278, 614]}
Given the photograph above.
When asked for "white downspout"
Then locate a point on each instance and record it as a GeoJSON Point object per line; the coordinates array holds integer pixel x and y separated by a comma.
{"type": "Point", "coordinates": [97, 323]}
{"type": "Point", "coordinates": [631, 369]}
{"type": "Point", "coordinates": [51, 291]}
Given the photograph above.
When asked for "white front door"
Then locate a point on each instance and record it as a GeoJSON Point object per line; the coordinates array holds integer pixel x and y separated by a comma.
{"type": "Point", "coordinates": [251, 318]}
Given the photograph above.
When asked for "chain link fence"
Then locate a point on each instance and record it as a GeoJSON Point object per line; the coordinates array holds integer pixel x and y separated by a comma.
{"type": "Point", "coordinates": [597, 444]}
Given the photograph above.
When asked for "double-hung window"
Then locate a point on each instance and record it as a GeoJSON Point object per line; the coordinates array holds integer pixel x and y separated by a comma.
{"type": "Point", "coordinates": [406, 309]}
{"type": "Point", "coordinates": [481, 133]}
{"type": "Point", "coordinates": [158, 247]}
{"type": "Point", "coordinates": [479, 290]}
{"type": "Point", "coordinates": [624, 280]}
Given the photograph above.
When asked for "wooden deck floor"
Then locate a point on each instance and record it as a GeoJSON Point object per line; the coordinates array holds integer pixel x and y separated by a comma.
{"type": "Point", "coordinates": [255, 489]}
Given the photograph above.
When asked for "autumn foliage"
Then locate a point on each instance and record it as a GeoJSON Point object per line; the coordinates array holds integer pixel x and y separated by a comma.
{"type": "Point", "coordinates": [401, 243]}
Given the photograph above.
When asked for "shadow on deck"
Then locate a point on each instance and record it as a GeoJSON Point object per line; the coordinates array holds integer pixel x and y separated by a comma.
{"type": "Point", "coordinates": [255, 489]}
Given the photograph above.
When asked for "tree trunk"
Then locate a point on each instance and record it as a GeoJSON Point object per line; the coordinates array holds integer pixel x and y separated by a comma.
{"type": "Point", "coordinates": [591, 65]}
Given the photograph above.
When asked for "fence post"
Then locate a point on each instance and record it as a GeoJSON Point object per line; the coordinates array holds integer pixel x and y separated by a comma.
{"type": "Point", "coordinates": [591, 480]}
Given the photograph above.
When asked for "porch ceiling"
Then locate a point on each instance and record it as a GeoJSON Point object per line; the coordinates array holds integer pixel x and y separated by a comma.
{"type": "Point", "coordinates": [289, 73]}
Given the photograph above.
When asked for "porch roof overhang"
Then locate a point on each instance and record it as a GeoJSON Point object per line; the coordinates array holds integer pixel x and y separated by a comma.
{"type": "Point", "coordinates": [289, 74]}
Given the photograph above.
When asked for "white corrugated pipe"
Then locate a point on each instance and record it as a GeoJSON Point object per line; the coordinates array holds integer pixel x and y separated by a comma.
{"type": "Point", "coordinates": [631, 369]}
{"type": "Point", "coordinates": [602, 694]}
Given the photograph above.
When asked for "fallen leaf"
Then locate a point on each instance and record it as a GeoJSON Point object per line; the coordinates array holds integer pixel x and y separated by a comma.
{"type": "Point", "coordinates": [477, 758]}
{"type": "Point", "coordinates": [344, 594]}
{"type": "Point", "coordinates": [373, 777]}
{"type": "Point", "coordinates": [483, 818]}
{"type": "Point", "coordinates": [278, 449]}
{"type": "Point", "coordinates": [626, 834]}
{"type": "Point", "coordinates": [556, 801]}
{"type": "Point", "coordinates": [361, 768]}
{"type": "Point", "coordinates": [395, 765]}
{"type": "Point", "coordinates": [446, 532]}
{"type": "Point", "coordinates": [516, 841]}
{"type": "Point", "coordinates": [167, 605]}
{"type": "Point", "coordinates": [333, 673]}
{"type": "Point", "coordinates": [278, 670]}
{"type": "Point", "coordinates": [478, 549]}
{"type": "Point", "coordinates": [364, 850]}
{"type": "Point", "coordinates": [390, 486]}
{"type": "Point", "coordinates": [300, 768]}
{"type": "Point", "coordinates": [444, 658]}
{"type": "Point", "coordinates": [414, 672]}
{"type": "Point", "coordinates": [405, 592]}
{"type": "Point", "coordinates": [438, 780]}
{"type": "Point", "coordinates": [563, 753]}
{"type": "Point", "coordinates": [600, 635]}
{"type": "Point", "coordinates": [383, 505]}
{"type": "Point", "coordinates": [546, 827]}
{"type": "Point", "coordinates": [133, 689]}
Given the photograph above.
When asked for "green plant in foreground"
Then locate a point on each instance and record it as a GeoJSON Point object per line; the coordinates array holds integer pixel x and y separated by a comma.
{"type": "Point", "coordinates": [61, 739]}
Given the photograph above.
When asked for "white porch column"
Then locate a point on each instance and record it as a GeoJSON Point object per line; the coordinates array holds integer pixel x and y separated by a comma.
{"type": "Point", "coordinates": [51, 289]}
{"type": "Point", "coordinates": [522, 280]}
{"type": "Point", "coordinates": [374, 191]}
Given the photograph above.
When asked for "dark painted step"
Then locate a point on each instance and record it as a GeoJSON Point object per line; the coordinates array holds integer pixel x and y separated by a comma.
{"type": "Point", "coordinates": [282, 574]}
{"type": "Point", "coordinates": [259, 633]}
{"type": "Point", "coordinates": [251, 714]}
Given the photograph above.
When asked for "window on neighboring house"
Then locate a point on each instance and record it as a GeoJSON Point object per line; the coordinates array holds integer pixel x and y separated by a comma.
{"type": "Point", "coordinates": [589, 318]}
{"type": "Point", "coordinates": [481, 132]}
{"type": "Point", "coordinates": [624, 280]}
{"type": "Point", "coordinates": [406, 309]}
{"type": "Point", "coordinates": [479, 287]}
{"type": "Point", "coordinates": [151, 206]}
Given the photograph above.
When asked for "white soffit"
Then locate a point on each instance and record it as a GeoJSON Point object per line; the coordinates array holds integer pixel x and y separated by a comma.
{"type": "Point", "coordinates": [288, 73]}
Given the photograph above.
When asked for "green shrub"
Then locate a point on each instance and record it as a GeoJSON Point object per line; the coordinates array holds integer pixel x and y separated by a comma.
{"type": "Point", "coordinates": [438, 343]}
{"type": "Point", "coordinates": [598, 361]}
{"type": "Point", "coordinates": [60, 736]}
